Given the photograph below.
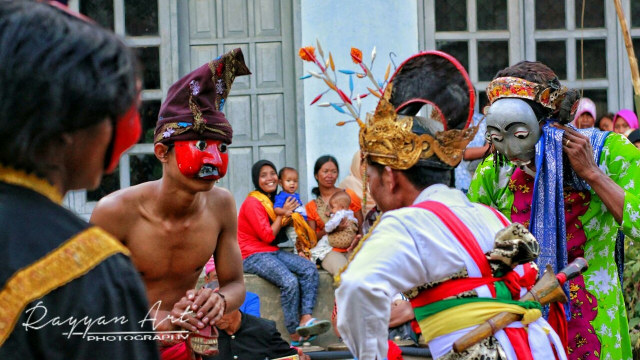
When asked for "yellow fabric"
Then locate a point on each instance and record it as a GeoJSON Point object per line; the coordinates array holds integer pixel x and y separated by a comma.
{"type": "Point", "coordinates": [30, 181]}
{"type": "Point", "coordinates": [464, 316]}
{"type": "Point", "coordinates": [69, 261]}
{"type": "Point", "coordinates": [306, 236]}
{"type": "Point", "coordinates": [266, 203]}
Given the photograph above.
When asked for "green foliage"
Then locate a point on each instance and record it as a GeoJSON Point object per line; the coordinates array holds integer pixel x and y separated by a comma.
{"type": "Point", "coordinates": [632, 290]}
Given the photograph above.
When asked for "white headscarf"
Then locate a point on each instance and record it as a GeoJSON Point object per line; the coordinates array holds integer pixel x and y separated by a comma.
{"type": "Point", "coordinates": [353, 181]}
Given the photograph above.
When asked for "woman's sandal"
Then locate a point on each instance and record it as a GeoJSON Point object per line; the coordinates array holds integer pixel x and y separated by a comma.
{"type": "Point", "coordinates": [301, 342]}
{"type": "Point", "coordinates": [313, 327]}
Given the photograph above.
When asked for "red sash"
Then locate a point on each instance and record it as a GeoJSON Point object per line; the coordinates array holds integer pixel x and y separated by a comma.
{"type": "Point", "coordinates": [461, 232]}
{"type": "Point", "coordinates": [517, 336]}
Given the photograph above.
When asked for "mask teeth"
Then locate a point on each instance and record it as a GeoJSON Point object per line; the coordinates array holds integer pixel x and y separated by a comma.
{"type": "Point", "coordinates": [208, 170]}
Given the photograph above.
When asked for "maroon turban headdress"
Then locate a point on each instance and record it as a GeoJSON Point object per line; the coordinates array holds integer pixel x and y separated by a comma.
{"type": "Point", "coordinates": [193, 107]}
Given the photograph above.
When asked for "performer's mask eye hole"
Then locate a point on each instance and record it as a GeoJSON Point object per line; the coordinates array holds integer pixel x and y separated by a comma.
{"type": "Point", "coordinates": [201, 145]}
{"type": "Point", "coordinates": [521, 134]}
{"type": "Point", "coordinates": [495, 137]}
{"type": "Point", "coordinates": [223, 148]}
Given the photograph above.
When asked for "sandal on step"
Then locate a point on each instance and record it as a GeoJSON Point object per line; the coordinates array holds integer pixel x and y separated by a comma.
{"type": "Point", "coordinates": [301, 342]}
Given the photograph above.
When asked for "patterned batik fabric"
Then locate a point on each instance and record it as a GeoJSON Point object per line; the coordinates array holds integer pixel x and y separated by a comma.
{"type": "Point", "coordinates": [583, 342]}
{"type": "Point", "coordinates": [620, 160]}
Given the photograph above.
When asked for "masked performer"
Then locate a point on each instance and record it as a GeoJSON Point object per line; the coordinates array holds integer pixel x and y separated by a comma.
{"type": "Point", "coordinates": [574, 189]}
{"type": "Point", "coordinates": [432, 243]}
{"type": "Point", "coordinates": [173, 225]}
{"type": "Point", "coordinates": [68, 110]}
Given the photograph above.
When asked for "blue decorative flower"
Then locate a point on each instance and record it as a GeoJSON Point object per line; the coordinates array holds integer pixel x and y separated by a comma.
{"type": "Point", "coordinates": [183, 124]}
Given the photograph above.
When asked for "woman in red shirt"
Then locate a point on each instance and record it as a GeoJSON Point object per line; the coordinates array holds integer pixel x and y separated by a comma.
{"type": "Point", "coordinates": [326, 173]}
{"type": "Point", "coordinates": [259, 232]}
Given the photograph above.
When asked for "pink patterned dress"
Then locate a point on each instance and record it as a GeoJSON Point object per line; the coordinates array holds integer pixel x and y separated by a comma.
{"type": "Point", "coordinates": [583, 342]}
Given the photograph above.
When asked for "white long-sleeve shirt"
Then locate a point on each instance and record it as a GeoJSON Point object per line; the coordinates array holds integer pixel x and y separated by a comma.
{"type": "Point", "coordinates": [409, 247]}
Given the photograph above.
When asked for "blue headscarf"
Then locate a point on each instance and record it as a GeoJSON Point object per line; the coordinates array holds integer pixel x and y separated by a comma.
{"type": "Point", "coordinates": [547, 208]}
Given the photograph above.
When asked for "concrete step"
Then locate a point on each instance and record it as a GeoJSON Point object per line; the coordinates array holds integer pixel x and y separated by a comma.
{"type": "Point", "coordinates": [271, 309]}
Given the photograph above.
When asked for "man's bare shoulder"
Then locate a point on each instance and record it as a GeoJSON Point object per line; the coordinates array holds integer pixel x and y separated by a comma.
{"type": "Point", "coordinates": [121, 207]}
{"type": "Point", "coordinates": [220, 197]}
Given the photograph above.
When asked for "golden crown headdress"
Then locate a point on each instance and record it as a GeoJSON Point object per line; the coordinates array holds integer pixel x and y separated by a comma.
{"type": "Point", "coordinates": [393, 135]}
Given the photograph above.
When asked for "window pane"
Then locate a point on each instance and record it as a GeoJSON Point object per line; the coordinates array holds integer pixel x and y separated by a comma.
{"type": "Point", "coordinates": [599, 97]}
{"type": "Point", "coordinates": [636, 49]}
{"type": "Point", "coordinates": [554, 55]}
{"type": "Point", "coordinates": [550, 14]}
{"type": "Point", "coordinates": [458, 49]}
{"type": "Point", "coordinates": [492, 57]}
{"type": "Point", "coordinates": [593, 13]}
{"type": "Point", "coordinates": [483, 101]}
{"type": "Point", "coordinates": [451, 15]}
{"type": "Point", "coordinates": [635, 13]}
{"type": "Point", "coordinates": [149, 114]}
{"type": "Point", "coordinates": [109, 184]}
{"type": "Point", "coordinates": [99, 10]}
{"type": "Point", "coordinates": [492, 14]}
{"type": "Point", "coordinates": [595, 59]}
{"type": "Point", "coordinates": [144, 168]}
{"type": "Point", "coordinates": [141, 17]}
{"type": "Point", "coordinates": [150, 62]}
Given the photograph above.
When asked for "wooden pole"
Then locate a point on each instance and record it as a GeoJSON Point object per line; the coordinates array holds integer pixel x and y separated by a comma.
{"type": "Point", "coordinates": [633, 61]}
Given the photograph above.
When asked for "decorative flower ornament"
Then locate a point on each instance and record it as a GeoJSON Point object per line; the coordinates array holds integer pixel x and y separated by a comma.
{"type": "Point", "coordinates": [388, 135]}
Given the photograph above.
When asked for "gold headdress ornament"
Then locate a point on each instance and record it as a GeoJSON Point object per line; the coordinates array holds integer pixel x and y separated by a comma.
{"type": "Point", "coordinates": [549, 95]}
{"type": "Point", "coordinates": [392, 135]}
{"type": "Point", "coordinates": [388, 139]}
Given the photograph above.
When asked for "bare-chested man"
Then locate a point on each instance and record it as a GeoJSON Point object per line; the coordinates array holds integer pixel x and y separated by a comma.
{"type": "Point", "coordinates": [173, 225]}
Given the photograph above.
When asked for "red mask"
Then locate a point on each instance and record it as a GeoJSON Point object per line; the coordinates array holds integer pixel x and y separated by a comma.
{"type": "Point", "coordinates": [126, 134]}
{"type": "Point", "coordinates": [202, 159]}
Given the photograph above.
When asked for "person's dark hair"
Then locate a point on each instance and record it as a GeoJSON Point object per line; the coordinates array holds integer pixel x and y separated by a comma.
{"type": "Point", "coordinates": [255, 176]}
{"type": "Point", "coordinates": [607, 115]}
{"type": "Point", "coordinates": [284, 170]}
{"type": "Point", "coordinates": [540, 73]}
{"type": "Point", "coordinates": [58, 74]}
{"type": "Point", "coordinates": [316, 168]}
{"type": "Point", "coordinates": [422, 176]}
{"type": "Point", "coordinates": [634, 136]}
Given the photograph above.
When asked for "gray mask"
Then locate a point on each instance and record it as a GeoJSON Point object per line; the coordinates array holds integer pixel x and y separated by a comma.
{"type": "Point", "coordinates": [513, 129]}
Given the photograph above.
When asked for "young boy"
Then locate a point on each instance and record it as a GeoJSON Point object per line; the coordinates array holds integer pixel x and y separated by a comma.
{"type": "Point", "coordinates": [288, 179]}
{"type": "Point", "coordinates": [299, 232]}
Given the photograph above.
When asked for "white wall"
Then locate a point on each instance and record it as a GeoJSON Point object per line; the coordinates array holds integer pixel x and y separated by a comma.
{"type": "Point", "coordinates": [390, 26]}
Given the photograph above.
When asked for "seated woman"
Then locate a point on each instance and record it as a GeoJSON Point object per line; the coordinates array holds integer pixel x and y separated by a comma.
{"type": "Point", "coordinates": [326, 173]}
{"type": "Point", "coordinates": [258, 235]}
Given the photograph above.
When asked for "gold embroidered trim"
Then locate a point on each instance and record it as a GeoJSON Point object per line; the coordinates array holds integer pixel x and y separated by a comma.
{"type": "Point", "coordinates": [290, 357]}
{"type": "Point", "coordinates": [30, 181]}
{"type": "Point", "coordinates": [69, 261]}
{"type": "Point", "coordinates": [175, 129]}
